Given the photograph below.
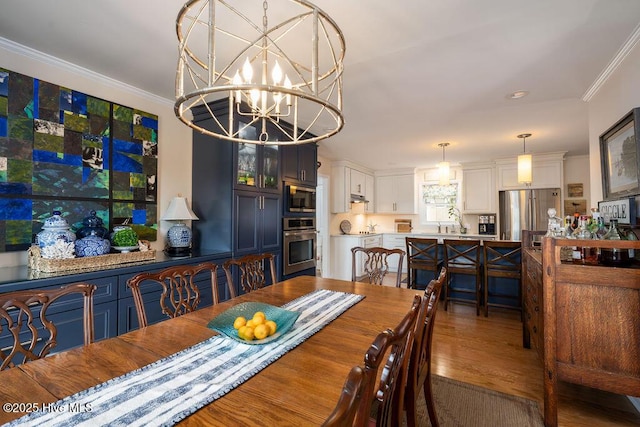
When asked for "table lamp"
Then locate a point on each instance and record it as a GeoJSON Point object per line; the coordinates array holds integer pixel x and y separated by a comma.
{"type": "Point", "coordinates": [179, 235]}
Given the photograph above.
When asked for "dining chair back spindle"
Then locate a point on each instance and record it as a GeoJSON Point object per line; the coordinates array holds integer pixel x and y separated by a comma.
{"type": "Point", "coordinates": [180, 293]}
{"type": "Point", "coordinates": [375, 263]}
{"type": "Point", "coordinates": [422, 256]}
{"type": "Point", "coordinates": [252, 274]}
{"type": "Point", "coordinates": [24, 315]}
{"type": "Point", "coordinates": [419, 376]}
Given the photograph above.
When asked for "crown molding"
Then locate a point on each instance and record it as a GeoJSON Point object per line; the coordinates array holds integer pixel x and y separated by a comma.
{"type": "Point", "coordinates": [619, 57]}
{"type": "Point", "coordinates": [47, 59]}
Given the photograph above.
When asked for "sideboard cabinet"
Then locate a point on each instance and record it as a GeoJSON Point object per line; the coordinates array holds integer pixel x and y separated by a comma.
{"type": "Point", "coordinates": [591, 325]}
{"type": "Point", "coordinates": [114, 309]}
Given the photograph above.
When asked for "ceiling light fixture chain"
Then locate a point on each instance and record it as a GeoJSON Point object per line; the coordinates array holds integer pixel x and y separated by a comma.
{"type": "Point", "coordinates": [305, 90]}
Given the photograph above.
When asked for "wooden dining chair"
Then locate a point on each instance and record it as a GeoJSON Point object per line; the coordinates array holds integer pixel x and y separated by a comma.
{"type": "Point", "coordinates": [463, 259]}
{"type": "Point", "coordinates": [346, 410]}
{"type": "Point", "coordinates": [375, 262]}
{"type": "Point", "coordinates": [503, 259]}
{"type": "Point", "coordinates": [180, 293]}
{"type": "Point", "coordinates": [251, 271]}
{"type": "Point", "coordinates": [24, 315]}
{"type": "Point", "coordinates": [377, 389]}
{"type": "Point", "coordinates": [419, 374]}
{"type": "Point", "coordinates": [422, 255]}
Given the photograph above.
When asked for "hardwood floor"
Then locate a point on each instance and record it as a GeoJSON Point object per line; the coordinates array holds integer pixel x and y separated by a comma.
{"type": "Point", "coordinates": [488, 352]}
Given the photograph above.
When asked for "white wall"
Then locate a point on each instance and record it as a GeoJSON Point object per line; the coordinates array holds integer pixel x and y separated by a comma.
{"type": "Point", "coordinates": [576, 171]}
{"type": "Point", "coordinates": [174, 138]}
{"type": "Point", "coordinates": [615, 98]}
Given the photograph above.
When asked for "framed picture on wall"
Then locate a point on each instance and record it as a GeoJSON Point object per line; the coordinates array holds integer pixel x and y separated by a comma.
{"type": "Point", "coordinates": [620, 157]}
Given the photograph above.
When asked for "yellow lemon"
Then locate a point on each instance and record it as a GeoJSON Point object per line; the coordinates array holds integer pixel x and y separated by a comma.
{"type": "Point", "coordinates": [272, 326]}
{"type": "Point", "coordinates": [241, 331]}
{"type": "Point", "coordinates": [259, 318]}
{"type": "Point", "coordinates": [248, 334]}
{"type": "Point", "coordinates": [250, 323]}
{"type": "Point", "coordinates": [261, 331]}
{"type": "Point", "coordinates": [240, 321]}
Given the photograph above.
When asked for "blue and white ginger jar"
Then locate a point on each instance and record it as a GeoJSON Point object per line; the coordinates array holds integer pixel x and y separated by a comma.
{"type": "Point", "coordinates": [92, 225]}
{"type": "Point", "coordinates": [55, 228]}
{"type": "Point", "coordinates": [92, 245]}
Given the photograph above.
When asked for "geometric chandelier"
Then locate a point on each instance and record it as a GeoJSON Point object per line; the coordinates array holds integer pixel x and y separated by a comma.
{"type": "Point", "coordinates": [279, 63]}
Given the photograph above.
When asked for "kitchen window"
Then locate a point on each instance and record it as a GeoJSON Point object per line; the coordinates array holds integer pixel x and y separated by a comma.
{"type": "Point", "coordinates": [435, 201]}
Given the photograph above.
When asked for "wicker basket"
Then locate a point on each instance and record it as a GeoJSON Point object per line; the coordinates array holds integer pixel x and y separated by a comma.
{"type": "Point", "coordinates": [36, 262]}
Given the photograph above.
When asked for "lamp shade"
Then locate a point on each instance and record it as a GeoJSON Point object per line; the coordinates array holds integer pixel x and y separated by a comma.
{"type": "Point", "coordinates": [524, 168]}
{"type": "Point", "coordinates": [443, 173]}
{"type": "Point", "coordinates": [178, 210]}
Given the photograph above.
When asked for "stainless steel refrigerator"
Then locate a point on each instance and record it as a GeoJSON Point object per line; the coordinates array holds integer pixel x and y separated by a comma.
{"type": "Point", "coordinates": [526, 210]}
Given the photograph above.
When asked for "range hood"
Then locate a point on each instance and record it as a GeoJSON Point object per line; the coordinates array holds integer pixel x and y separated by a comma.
{"type": "Point", "coordinates": [356, 198]}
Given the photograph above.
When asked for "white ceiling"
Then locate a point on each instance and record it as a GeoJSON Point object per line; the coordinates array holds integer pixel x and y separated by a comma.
{"type": "Point", "coordinates": [417, 72]}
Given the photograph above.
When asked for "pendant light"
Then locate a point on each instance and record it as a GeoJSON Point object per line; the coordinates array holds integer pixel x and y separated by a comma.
{"type": "Point", "coordinates": [279, 67]}
{"type": "Point", "coordinates": [524, 162]}
{"type": "Point", "coordinates": [443, 167]}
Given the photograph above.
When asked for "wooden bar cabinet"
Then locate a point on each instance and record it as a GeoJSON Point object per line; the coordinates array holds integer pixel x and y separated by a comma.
{"type": "Point", "coordinates": [591, 324]}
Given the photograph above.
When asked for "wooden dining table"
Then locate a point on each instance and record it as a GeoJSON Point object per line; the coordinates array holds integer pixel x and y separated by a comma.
{"type": "Point", "coordinates": [300, 388]}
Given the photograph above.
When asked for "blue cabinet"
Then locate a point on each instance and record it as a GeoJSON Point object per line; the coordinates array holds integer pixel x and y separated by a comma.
{"type": "Point", "coordinates": [300, 164]}
{"type": "Point", "coordinates": [127, 316]}
{"type": "Point", "coordinates": [114, 310]}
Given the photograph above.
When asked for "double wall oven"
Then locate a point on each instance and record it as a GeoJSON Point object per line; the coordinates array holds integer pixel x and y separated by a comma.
{"type": "Point", "coordinates": [299, 244]}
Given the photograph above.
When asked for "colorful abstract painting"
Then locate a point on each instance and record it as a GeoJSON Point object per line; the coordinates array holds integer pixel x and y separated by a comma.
{"type": "Point", "coordinates": [61, 149]}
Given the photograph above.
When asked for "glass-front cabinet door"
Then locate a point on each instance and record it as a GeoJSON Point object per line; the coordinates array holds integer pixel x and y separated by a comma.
{"type": "Point", "coordinates": [270, 167]}
{"type": "Point", "coordinates": [257, 166]}
{"type": "Point", "coordinates": [247, 166]}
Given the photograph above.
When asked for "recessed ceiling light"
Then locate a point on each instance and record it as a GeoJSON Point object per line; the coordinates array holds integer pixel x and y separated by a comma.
{"type": "Point", "coordinates": [518, 94]}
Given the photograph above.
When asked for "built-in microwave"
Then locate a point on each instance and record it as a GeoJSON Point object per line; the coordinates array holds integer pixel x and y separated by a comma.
{"type": "Point", "coordinates": [299, 199]}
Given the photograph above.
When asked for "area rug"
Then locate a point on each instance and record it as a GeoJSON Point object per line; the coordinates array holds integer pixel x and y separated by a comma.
{"type": "Point", "coordinates": [460, 404]}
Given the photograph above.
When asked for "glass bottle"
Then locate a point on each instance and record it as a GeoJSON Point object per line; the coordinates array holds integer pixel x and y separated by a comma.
{"type": "Point", "coordinates": [602, 230]}
{"type": "Point", "coordinates": [631, 236]}
{"type": "Point", "coordinates": [568, 230]}
{"type": "Point", "coordinates": [614, 257]}
{"type": "Point", "coordinates": [587, 254]}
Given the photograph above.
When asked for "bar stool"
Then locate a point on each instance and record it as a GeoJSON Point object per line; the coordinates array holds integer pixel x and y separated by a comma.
{"type": "Point", "coordinates": [463, 259]}
{"type": "Point", "coordinates": [502, 260]}
{"type": "Point", "coordinates": [422, 254]}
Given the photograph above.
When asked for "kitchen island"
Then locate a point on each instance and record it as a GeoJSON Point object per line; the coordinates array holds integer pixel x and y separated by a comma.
{"type": "Point", "coordinates": [341, 245]}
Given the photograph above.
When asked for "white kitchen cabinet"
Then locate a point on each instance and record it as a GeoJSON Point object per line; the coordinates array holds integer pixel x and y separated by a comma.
{"type": "Point", "coordinates": [341, 253]}
{"type": "Point", "coordinates": [345, 181]}
{"type": "Point", "coordinates": [369, 193]}
{"type": "Point", "coordinates": [396, 194]}
{"type": "Point", "coordinates": [479, 190]}
{"type": "Point", "coordinates": [396, 241]}
{"type": "Point", "coordinates": [547, 170]}
{"type": "Point", "coordinates": [358, 184]}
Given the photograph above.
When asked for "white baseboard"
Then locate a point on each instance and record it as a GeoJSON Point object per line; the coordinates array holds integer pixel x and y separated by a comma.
{"type": "Point", "coordinates": [635, 401]}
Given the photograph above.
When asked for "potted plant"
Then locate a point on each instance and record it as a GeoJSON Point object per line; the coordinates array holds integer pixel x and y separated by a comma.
{"type": "Point", "coordinates": [455, 213]}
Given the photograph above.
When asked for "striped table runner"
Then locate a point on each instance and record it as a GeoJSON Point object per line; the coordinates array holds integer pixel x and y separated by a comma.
{"type": "Point", "coordinates": [169, 390]}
